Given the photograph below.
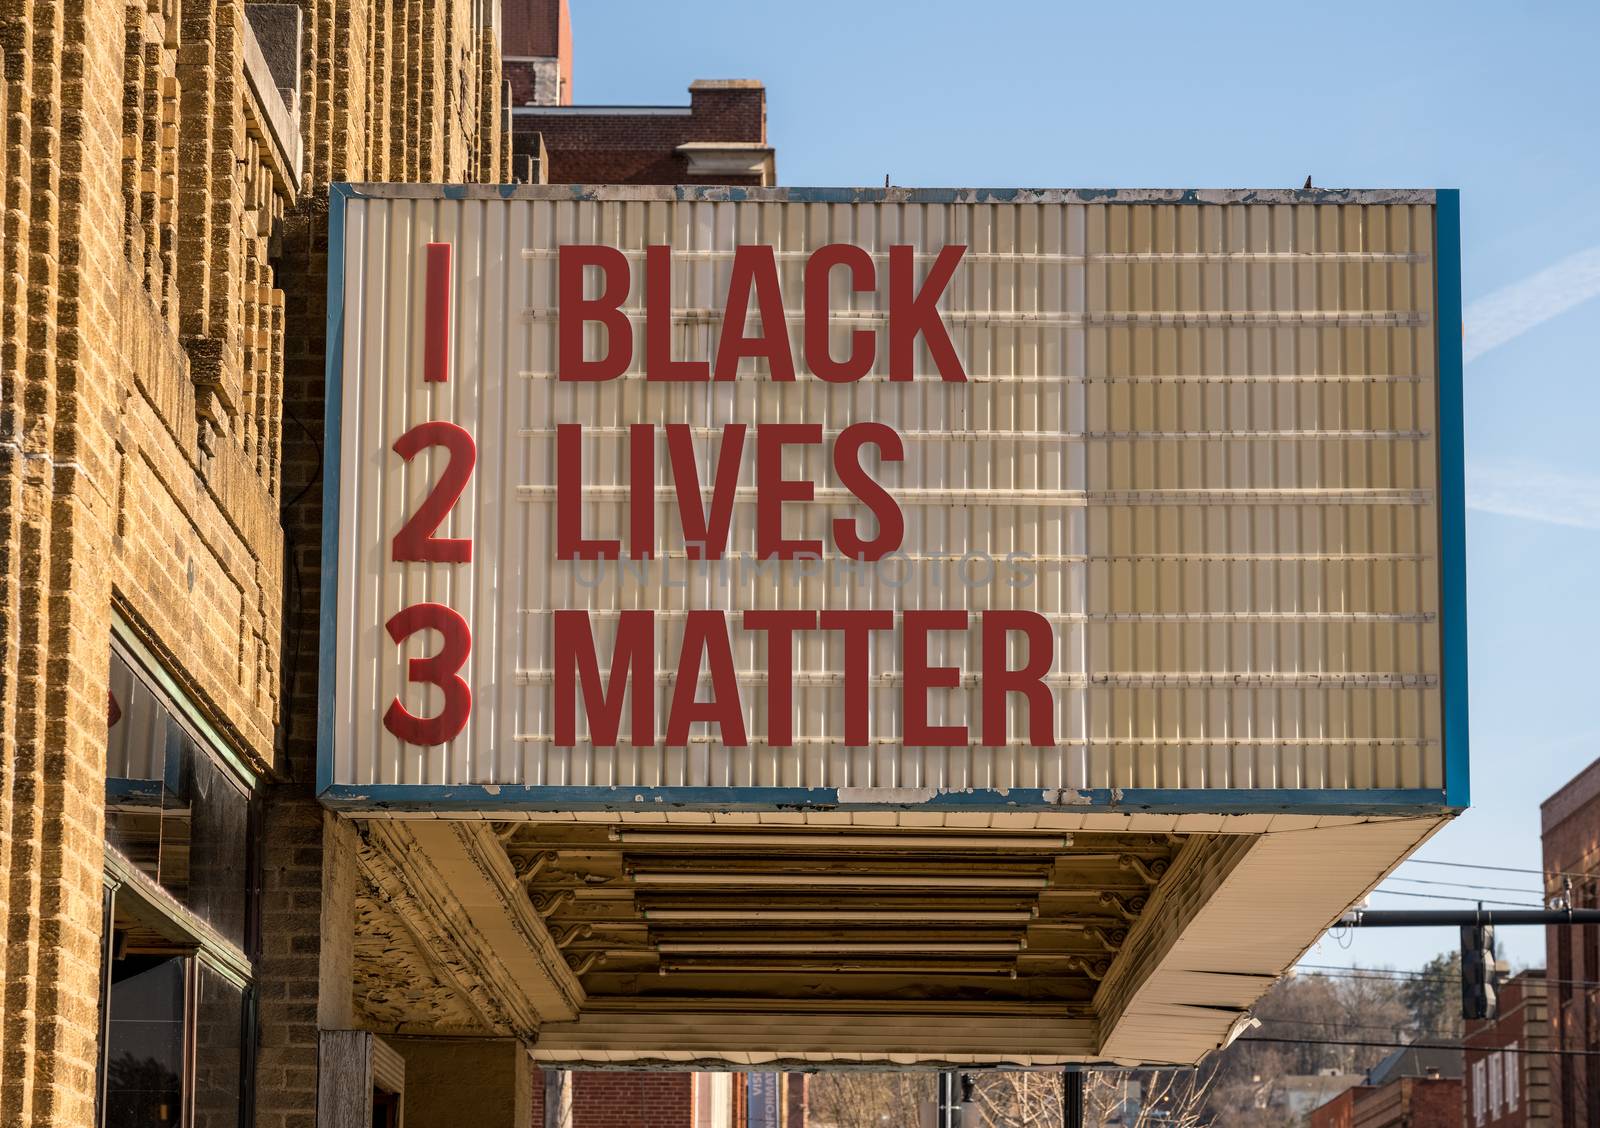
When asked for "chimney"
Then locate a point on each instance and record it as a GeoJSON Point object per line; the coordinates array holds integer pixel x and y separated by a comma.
{"type": "Point", "coordinates": [536, 51]}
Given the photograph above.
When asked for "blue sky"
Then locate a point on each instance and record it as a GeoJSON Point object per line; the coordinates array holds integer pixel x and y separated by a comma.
{"type": "Point", "coordinates": [1498, 100]}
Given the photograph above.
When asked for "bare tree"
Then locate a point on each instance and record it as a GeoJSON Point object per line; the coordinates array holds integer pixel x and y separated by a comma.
{"type": "Point", "coordinates": [1016, 1099]}
{"type": "Point", "coordinates": [1171, 1098]}
{"type": "Point", "coordinates": [1317, 1017]}
{"type": "Point", "coordinates": [1162, 1098]}
{"type": "Point", "coordinates": [869, 1100]}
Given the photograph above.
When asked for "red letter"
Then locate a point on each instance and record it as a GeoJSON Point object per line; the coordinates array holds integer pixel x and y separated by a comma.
{"type": "Point", "coordinates": [780, 627]}
{"type": "Point", "coordinates": [863, 279]}
{"type": "Point", "coordinates": [847, 464]}
{"type": "Point", "coordinates": [642, 483]}
{"type": "Point", "coordinates": [1028, 681]}
{"type": "Point", "coordinates": [436, 335]}
{"type": "Point", "coordinates": [857, 627]}
{"type": "Point", "coordinates": [706, 632]}
{"type": "Point", "coordinates": [773, 489]}
{"type": "Point", "coordinates": [920, 677]}
{"type": "Point", "coordinates": [705, 535]}
{"type": "Point", "coordinates": [440, 670]}
{"type": "Point", "coordinates": [658, 362]}
{"type": "Point", "coordinates": [632, 668]}
{"type": "Point", "coordinates": [570, 543]}
{"type": "Point", "coordinates": [754, 263]}
{"type": "Point", "coordinates": [911, 312]}
{"type": "Point", "coordinates": [575, 310]}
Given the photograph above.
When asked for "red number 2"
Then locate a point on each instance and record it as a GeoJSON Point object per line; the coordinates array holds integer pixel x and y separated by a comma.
{"type": "Point", "coordinates": [415, 540]}
{"type": "Point", "coordinates": [440, 669]}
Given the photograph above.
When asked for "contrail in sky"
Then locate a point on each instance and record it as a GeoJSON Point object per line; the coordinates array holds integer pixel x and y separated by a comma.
{"type": "Point", "coordinates": [1512, 310]}
{"type": "Point", "coordinates": [1534, 493]}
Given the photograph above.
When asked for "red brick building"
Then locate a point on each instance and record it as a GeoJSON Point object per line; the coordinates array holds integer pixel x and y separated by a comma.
{"type": "Point", "coordinates": [1405, 1102]}
{"type": "Point", "coordinates": [720, 137]}
{"type": "Point", "coordinates": [1411, 1088]}
{"type": "Point", "coordinates": [1506, 1079]}
{"type": "Point", "coordinates": [1571, 831]}
{"type": "Point", "coordinates": [536, 52]}
{"type": "Point", "coordinates": [1339, 1112]}
{"type": "Point", "coordinates": [623, 1099]}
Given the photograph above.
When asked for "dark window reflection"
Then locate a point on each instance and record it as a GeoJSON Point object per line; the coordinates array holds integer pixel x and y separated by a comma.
{"type": "Point", "coordinates": [144, 1043]}
{"type": "Point", "coordinates": [219, 1027]}
{"type": "Point", "coordinates": [172, 809]}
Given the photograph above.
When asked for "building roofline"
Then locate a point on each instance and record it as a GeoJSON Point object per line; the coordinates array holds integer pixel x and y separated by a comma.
{"type": "Point", "coordinates": [721, 193]}
{"type": "Point", "coordinates": [1567, 798]}
{"type": "Point", "coordinates": [603, 111]}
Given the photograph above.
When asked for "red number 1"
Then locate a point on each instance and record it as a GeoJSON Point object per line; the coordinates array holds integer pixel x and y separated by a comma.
{"type": "Point", "coordinates": [441, 669]}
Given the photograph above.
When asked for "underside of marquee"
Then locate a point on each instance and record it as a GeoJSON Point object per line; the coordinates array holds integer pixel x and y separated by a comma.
{"type": "Point", "coordinates": [857, 941]}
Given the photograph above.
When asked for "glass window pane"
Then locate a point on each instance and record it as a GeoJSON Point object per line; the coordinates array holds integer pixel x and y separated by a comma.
{"type": "Point", "coordinates": [173, 809]}
{"type": "Point", "coordinates": [219, 1030]}
{"type": "Point", "coordinates": [205, 837]}
{"type": "Point", "coordinates": [144, 1043]}
{"type": "Point", "coordinates": [136, 769]}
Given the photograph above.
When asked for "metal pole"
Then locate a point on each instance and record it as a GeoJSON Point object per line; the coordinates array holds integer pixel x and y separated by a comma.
{"type": "Point", "coordinates": [948, 1116]}
{"type": "Point", "coordinates": [557, 1098]}
{"type": "Point", "coordinates": [1072, 1112]}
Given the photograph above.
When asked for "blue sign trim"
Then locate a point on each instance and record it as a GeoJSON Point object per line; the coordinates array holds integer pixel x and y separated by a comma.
{"type": "Point", "coordinates": [1452, 497]}
{"type": "Point", "coordinates": [333, 387]}
{"type": "Point", "coordinates": [491, 798]}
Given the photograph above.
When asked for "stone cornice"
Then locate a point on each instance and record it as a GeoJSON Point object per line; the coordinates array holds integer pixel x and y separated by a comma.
{"type": "Point", "coordinates": [453, 889]}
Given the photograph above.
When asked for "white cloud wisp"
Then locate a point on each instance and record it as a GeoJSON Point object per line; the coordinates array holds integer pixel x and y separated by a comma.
{"type": "Point", "coordinates": [1534, 493]}
{"type": "Point", "coordinates": [1512, 310]}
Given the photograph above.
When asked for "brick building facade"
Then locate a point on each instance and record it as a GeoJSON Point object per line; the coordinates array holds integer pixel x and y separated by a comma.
{"type": "Point", "coordinates": [720, 137]}
{"type": "Point", "coordinates": [1506, 1073]}
{"type": "Point", "coordinates": [163, 181]}
{"type": "Point", "coordinates": [1412, 1087]}
{"type": "Point", "coordinates": [537, 52]}
{"type": "Point", "coordinates": [1404, 1102]}
{"type": "Point", "coordinates": [1570, 821]}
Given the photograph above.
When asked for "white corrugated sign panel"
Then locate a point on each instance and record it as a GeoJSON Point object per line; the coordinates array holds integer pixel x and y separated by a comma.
{"type": "Point", "coordinates": [1198, 439]}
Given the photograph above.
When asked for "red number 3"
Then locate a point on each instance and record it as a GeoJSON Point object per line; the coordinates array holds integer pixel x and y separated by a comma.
{"type": "Point", "coordinates": [441, 669]}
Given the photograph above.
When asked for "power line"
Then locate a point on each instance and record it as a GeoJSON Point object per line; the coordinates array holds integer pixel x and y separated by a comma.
{"type": "Point", "coordinates": [1382, 974]}
{"type": "Point", "coordinates": [1468, 900]}
{"type": "Point", "coordinates": [1385, 972]}
{"type": "Point", "coordinates": [1467, 885]}
{"type": "Point", "coordinates": [1586, 875]}
{"type": "Point", "coordinates": [1377, 1045]}
{"type": "Point", "coordinates": [1274, 1020]}
{"type": "Point", "coordinates": [1362, 973]}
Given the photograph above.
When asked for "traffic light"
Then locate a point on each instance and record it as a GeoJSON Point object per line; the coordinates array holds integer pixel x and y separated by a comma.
{"type": "Point", "coordinates": [1479, 975]}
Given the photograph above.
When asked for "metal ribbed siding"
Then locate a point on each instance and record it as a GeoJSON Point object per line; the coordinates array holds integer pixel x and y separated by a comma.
{"type": "Point", "coordinates": [1263, 593]}
{"type": "Point", "coordinates": [1209, 426]}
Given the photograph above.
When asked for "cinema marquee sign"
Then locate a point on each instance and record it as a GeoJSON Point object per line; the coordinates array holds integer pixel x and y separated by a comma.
{"type": "Point", "coordinates": [865, 500]}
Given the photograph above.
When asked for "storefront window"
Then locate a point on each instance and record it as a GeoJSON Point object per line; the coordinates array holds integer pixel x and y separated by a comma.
{"type": "Point", "coordinates": [144, 1042]}
{"type": "Point", "coordinates": [219, 1044]}
{"type": "Point", "coordinates": [172, 809]}
{"type": "Point", "coordinates": [177, 1020]}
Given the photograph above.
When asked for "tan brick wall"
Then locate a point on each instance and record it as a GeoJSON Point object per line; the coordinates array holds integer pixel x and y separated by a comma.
{"type": "Point", "coordinates": [63, 75]}
{"type": "Point", "coordinates": [145, 319]}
